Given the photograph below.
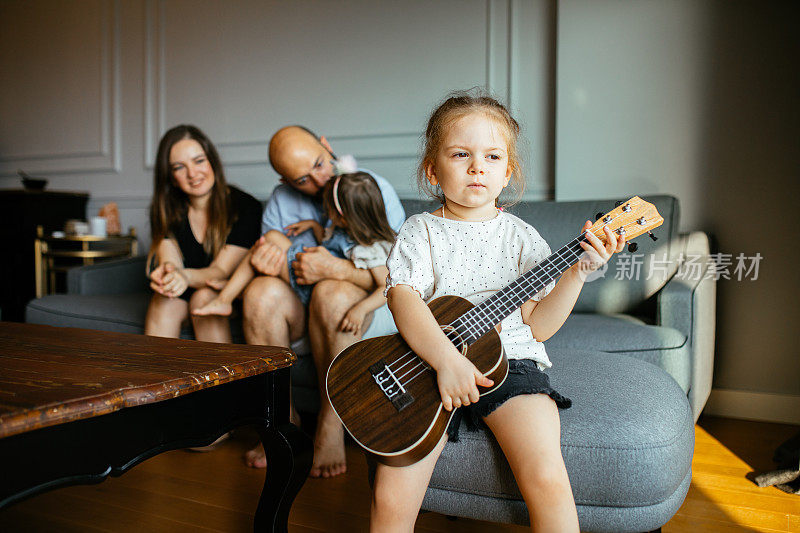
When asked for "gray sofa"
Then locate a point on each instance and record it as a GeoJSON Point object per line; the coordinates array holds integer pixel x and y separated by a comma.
{"type": "Point", "coordinates": [636, 357]}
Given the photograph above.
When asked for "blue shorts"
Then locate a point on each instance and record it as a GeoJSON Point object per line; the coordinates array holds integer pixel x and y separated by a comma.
{"type": "Point", "coordinates": [524, 377]}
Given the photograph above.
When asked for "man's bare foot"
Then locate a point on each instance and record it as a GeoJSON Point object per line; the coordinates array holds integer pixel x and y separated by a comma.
{"type": "Point", "coordinates": [255, 457]}
{"type": "Point", "coordinates": [329, 456]}
{"type": "Point", "coordinates": [214, 307]}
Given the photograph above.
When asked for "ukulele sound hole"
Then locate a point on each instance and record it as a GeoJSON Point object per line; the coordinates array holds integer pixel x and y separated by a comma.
{"type": "Point", "coordinates": [390, 386]}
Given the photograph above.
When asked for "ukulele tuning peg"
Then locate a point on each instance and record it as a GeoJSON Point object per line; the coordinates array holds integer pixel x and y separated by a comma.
{"type": "Point", "coordinates": [652, 236]}
{"type": "Point", "coordinates": [618, 203]}
{"type": "Point", "coordinates": [632, 247]}
{"type": "Point", "coordinates": [598, 216]}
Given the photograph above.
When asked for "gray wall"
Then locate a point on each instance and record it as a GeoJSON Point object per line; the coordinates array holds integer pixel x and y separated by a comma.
{"type": "Point", "coordinates": [89, 87]}
{"type": "Point", "coordinates": [699, 100]}
{"type": "Point", "coordinates": [686, 97]}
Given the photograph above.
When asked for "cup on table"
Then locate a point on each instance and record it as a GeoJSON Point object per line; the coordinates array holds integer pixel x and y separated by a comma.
{"type": "Point", "coordinates": [76, 227]}
{"type": "Point", "coordinates": [97, 226]}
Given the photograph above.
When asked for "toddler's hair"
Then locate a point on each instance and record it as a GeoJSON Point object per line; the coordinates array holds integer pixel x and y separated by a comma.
{"type": "Point", "coordinates": [455, 106]}
{"type": "Point", "coordinates": [362, 207]}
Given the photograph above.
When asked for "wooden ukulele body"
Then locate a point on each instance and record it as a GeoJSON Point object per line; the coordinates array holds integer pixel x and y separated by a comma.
{"type": "Point", "coordinates": [401, 427]}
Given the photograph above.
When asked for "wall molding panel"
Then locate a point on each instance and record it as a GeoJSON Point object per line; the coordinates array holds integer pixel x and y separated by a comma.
{"type": "Point", "coordinates": [387, 145]}
{"type": "Point", "coordinates": [137, 68]}
{"type": "Point", "coordinates": [498, 48]}
{"type": "Point", "coordinates": [107, 155]}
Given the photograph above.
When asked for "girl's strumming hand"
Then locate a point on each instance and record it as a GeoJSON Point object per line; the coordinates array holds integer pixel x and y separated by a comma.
{"type": "Point", "coordinates": [596, 254]}
{"type": "Point", "coordinates": [458, 381]}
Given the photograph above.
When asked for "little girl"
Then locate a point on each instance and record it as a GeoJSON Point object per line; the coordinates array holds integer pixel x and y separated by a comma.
{"type": "Point", "coordinates": [359, 232]}
{"type": "Point", "coordinates": [469, 248]}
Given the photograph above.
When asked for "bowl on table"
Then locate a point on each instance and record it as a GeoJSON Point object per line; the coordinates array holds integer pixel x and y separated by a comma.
{"type": "Point", "coordinates": [31, 183]}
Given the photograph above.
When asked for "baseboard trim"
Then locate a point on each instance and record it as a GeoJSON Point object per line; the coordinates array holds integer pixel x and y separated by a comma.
{"type": "Point", "coordinates": [748, 405]}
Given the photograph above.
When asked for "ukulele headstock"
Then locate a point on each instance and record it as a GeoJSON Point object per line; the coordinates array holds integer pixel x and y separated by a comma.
{"type": "Point", "coordinates": [631, 218]}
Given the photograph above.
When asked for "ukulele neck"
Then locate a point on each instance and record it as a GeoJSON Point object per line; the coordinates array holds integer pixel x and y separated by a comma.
{"type": "Point", "coordinates": [476, 322]}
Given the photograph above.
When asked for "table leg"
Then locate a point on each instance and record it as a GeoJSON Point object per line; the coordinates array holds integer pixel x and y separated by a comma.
{"type": "Point", "coordinates": [289, 455]}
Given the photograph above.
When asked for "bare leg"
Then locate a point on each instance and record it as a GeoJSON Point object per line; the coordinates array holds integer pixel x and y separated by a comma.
{"type": "Point", "coordinates": [329, 303]}
{"type": "Point", "coordinates": [397, 493]}
{"type": "Point", "coordinates": [283, 242]}
{"type": "Point", "coordinates": [528, 429]}
{"type": "Point", "coordinates": [222, 304]}
{"type": "Point", "coordinates": [210, 328]}
{"type": "Point", "coordinates": [164, 316]}
{"type": "Point", "coordinates": [273, 315]}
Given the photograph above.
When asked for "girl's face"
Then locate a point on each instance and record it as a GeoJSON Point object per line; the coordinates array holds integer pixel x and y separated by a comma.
{"type": "Point", "coordinates": [191, 170]}
{"type": "Point", "coordinates": [471, 166]}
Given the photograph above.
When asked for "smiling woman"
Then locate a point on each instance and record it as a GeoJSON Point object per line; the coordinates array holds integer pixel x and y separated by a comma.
{"type": "Point", "coordinates": [202, 228]}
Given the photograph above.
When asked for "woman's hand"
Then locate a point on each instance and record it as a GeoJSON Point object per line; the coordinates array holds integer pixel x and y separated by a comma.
{"type": "Point", "coordinates": [458, 381]}
{"type": "Point", "coordinates": [175, 281]}
{"type": "Point", "coordinates": [353, 320]}
{"type": "Point", "coordinates": [304, 225]}
{"type": "Point", "coordinates": [168, 280]}
{"type": "Point", "coordinates": [157, 278]}
{"type": "Point", "coordinates": [596, 253]}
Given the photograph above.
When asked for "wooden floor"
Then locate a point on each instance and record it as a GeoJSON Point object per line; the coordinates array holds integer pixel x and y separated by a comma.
{"type": "Point", "coordinates": [185, 491]}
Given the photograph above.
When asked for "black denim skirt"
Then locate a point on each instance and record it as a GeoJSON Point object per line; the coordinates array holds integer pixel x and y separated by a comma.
{"type": "Point", "coordinates": [524, 377]}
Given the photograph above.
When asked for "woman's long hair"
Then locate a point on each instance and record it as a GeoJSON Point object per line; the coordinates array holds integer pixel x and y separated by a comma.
{"type": "Point", "coordinates": [362, 207]}
{"type": "Point", "coordinates": [170, 204]}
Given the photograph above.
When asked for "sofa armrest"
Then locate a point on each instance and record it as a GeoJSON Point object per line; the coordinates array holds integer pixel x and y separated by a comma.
{"type": "Point", "coordinates": [688, 303]}
{"type": "Point", "coordinates": [122, 276]}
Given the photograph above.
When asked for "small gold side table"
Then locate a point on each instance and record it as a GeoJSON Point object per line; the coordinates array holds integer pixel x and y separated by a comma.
{"type": "Point", "coordinates": [49, 249]}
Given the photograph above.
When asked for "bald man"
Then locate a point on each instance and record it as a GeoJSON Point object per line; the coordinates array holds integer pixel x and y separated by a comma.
{"type": "Point", "coordinates": [274, 315]}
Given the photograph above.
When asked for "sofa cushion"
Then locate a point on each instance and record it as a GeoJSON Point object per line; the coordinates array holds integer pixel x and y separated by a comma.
{"type": "Point", "coordinates": [107, 312]}
{"type": "Point", "coordinates": [627, 441]}
{"type": "Point", "coordinates": [662, 346]}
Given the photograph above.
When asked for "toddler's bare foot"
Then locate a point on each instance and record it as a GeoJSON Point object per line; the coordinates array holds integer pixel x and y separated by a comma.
{"type": "Point", "coordinates": [214, 307]}
{"type": "Point", "coordinates": [329, 456]}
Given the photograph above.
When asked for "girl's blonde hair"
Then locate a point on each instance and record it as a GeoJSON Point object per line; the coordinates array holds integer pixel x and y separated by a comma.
{"type": "Point", "coordinates": [362, 207]}
{"type": "Point", "coordinates": [455, 106]}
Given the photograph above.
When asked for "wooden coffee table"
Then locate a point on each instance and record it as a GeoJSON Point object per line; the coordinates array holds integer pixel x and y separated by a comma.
{"type": "Point", "coordinates": [77, 406]}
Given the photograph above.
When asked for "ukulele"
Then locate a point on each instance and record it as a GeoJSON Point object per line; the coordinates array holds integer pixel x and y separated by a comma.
{"type": "Point", "coordinates": [387, 396]}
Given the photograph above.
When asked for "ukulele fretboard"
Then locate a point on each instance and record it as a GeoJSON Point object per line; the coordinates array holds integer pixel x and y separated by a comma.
{"type": "Point", "coordinates": [473, 324]}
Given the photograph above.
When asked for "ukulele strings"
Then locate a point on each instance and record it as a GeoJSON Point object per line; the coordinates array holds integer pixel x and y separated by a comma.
{"type": "Point", "coordinates": [420, 363]}
{"type": "Point", "coordinates": [425, 366]}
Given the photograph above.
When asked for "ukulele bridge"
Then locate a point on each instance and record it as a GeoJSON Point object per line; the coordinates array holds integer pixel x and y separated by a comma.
{"type": "Point", "coordinates": [390, 386]}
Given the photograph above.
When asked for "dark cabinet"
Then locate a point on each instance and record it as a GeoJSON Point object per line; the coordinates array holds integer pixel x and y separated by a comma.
{"type": "Point", "coordinates": [22, 211]}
